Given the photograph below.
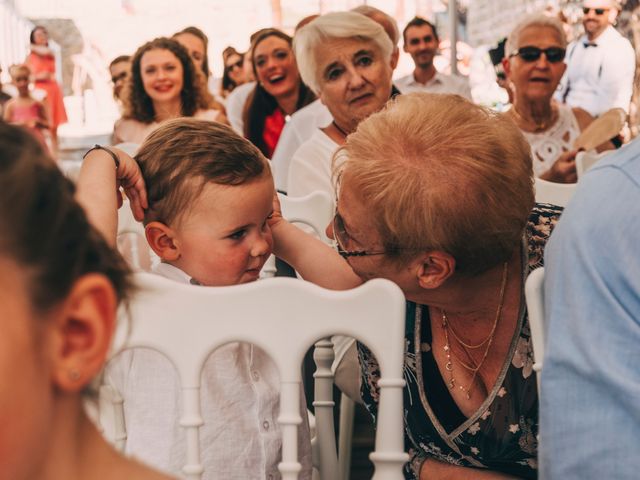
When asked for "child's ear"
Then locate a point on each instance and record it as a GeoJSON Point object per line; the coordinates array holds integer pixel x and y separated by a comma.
{"type": "Point", "coordinates": [82, 332]}
{"type": "Point", "coordinates": [434, 269]}
{"type": "Point", "coordinates": [161, 239]}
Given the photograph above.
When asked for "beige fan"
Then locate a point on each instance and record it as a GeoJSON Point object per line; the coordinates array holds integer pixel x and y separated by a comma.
{"type": "Point", "coordinates": [603, 128]}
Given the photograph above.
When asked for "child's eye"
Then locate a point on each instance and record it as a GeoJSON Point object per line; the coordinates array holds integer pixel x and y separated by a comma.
{"type": "Point", "coordinates": [238, 235]}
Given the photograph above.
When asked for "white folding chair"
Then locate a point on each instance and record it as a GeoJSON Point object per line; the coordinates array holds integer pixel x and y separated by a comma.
{"type": "Point", "coordinates": [316, 211]}
{"type": "Point", "coordinates": [586, 160]}
{"type": "Point", "coordinates": [128, 147]}
{"type": "Point", "coordinates": [534, 294]}
{"type": "Point", "coordinates": [132, 242]}
{"type": "Point", "coordinates": [554, 193]}
{"type": "Point", "coordinates": [283, 317]}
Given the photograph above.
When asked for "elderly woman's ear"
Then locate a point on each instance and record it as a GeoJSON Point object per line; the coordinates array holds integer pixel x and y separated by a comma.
{"type": "Point", "coordinates": [434, 268]}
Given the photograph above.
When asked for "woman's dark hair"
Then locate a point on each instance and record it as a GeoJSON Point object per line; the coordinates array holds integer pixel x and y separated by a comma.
{"type": "Point", "coordinates": [194, 94]}
{"type": "Point", "coordinates": [227, 84]}
{"type": "Point", "coordinates": [33, 32]}
{"type": "Point", "coordinates": [196, 32]}
{"type": "Point", "coordinates": [260, 103]}
{"type": "Point", "coordinates": [42, 227]}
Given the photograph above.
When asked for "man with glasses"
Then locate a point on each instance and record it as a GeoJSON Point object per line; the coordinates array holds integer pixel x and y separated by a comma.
{"type": "Point", "coordinates": [600, 64]}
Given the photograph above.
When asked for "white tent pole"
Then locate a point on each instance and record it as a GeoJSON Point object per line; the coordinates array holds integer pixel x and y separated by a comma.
{"type": "Point", "coordinates": [453, 35]}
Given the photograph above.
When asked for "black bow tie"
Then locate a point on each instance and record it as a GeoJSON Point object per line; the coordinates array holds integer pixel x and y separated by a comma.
{"type": "Point", "coordinates": [589, 44]}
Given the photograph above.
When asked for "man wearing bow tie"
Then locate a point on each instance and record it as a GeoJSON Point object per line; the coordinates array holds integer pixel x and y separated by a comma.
{"type": "Point", "coordinates": [600, 64]}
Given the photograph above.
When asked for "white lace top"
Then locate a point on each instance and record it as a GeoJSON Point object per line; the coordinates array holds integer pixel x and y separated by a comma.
{"type": "Point", "coordinates": [547, 146]}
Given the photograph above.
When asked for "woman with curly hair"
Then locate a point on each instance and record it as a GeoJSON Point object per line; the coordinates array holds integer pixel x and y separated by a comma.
{"type": "Point", "coordinates": [164, 84]}
{"type": "Point", "coordinates": [279, 92]}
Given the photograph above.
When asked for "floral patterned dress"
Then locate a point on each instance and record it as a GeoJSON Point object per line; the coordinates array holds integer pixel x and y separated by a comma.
{"type": "Point", "coordinates": [501, 434]}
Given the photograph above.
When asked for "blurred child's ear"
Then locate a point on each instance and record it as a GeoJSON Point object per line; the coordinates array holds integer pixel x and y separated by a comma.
{"type": "Point", "coordinates": [161, 239]}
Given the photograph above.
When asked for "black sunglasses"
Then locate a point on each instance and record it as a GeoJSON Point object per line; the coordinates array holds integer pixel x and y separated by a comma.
{"type": "Point", "coordinates": [598, 11]}
{"type": "Point", "coordinates": [531, 54]}
{"type": "Point", "coordinates": [237, 64]}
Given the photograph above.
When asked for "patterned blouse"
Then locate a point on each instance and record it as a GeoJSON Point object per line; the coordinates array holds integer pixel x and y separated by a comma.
{"type": "Point", "coordinates": [501, 434]}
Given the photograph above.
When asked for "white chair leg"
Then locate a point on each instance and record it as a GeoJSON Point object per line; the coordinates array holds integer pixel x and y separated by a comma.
{"type": "Point", "coordinates": [345, 438]}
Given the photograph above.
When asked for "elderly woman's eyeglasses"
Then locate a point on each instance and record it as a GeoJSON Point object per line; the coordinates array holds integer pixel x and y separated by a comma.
{"type": "Point", "coordinates": [597, 11]}
{"type": "Point", "coordinates": [342, 237]}
{"type": "Point", "coordinates": [532, 54]}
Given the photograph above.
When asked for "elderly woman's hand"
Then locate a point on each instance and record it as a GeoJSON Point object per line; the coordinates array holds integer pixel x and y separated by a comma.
{"type": "Point", "coordinates": [563, 170]}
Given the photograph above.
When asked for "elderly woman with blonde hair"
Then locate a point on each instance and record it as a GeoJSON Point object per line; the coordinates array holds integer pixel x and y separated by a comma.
{"type": "Point", "coordinates": [534, 65]}
{"type": "Point", "coordinates": [436, 194]}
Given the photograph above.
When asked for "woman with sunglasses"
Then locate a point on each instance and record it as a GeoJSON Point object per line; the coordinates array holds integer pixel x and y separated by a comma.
{"type": "Point", "coordinates": [534, 64]}
{"type": "Point", "coordinates": [234, 74]}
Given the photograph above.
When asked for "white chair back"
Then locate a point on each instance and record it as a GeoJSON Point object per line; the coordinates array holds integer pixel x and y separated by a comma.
{"type": "Point", "coordinates": [534, 294]}
{"type": "Point", "coordinates": [283, 317]}
{"type": "Point", "coordinates": [132, 242]}
{"type": "Point", "coordinates": [128, 147]}
{"type": "Point", "coordinates": [554, 193]}
{"type": "Point", "coordinates": [586, 160]}
{"type": "Point", "coordinates": [314, 211]}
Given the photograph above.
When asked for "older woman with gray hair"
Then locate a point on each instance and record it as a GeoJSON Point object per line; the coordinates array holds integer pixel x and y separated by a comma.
{"type": "Point", "coordinates": [534, 65]}
{"type": "Point", "coordinates": [346, 59]}
{"type": "Point", "coordinates": [436, 194]}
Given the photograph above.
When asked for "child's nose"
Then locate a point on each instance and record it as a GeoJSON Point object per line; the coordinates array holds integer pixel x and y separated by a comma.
{"type": "Point", "coordinates": [262, 245]}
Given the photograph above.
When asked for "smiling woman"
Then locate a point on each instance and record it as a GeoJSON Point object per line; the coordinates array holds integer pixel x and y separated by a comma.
{"type": "Point", "coordinates": [164, 84]}
{"type": "Point", "coordinates": [279, 92]}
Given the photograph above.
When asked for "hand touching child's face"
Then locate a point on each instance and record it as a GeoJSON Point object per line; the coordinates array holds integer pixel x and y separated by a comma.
{"type": "Point", "coordinates": [224, 239]}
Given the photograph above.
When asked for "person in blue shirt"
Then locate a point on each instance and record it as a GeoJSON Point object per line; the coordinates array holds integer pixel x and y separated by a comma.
{"type": "Point", "coordinates": [590, 392]}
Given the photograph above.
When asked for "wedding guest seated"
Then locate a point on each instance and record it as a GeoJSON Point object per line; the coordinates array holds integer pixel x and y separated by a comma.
{"type": "Point", "coordinates": [436, 194]}
{"type": "Point", "coordinates": [279, 92]}
{"type": "Point", "coordinates": [205, 195]}
{"type": "Point", "coordinates": [345, 58]}
{"type": "Point", "coordinates": [306, 121]}
{"type": "Point", "coordinates": [164, 84]}
{"type": "Point", "coordinates": [119, 69]}
{"type": "Point", "coordinates": [59, 293]}
{"type": "Point", "coordinates": [233, 75]}
{"type": "Point", "coordinates": [534, 64]}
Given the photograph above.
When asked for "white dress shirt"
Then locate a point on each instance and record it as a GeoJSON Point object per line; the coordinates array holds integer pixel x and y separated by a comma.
{"type": "Point", "coordinates": [240, 438]}
{"type": "Point", "coordinates": [440, 83]}
{"type": "Point", "coordinates": [300, 128]}
{"type": "Point", "coordinates": [599, 76]}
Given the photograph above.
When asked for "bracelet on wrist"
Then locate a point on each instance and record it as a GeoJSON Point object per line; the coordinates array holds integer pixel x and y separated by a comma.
{"type": "Point", "coordinates": [116, 160]}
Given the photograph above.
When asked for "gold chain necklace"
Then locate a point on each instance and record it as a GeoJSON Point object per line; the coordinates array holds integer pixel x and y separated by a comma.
{"type": "Point", "coordinates": [489, 341]}
{"type": "Point", "coordinates": [539, 126]}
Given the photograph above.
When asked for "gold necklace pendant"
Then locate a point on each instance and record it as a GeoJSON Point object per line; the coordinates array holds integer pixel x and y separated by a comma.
{"type": "Point", "coordinates": [489, 340]}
